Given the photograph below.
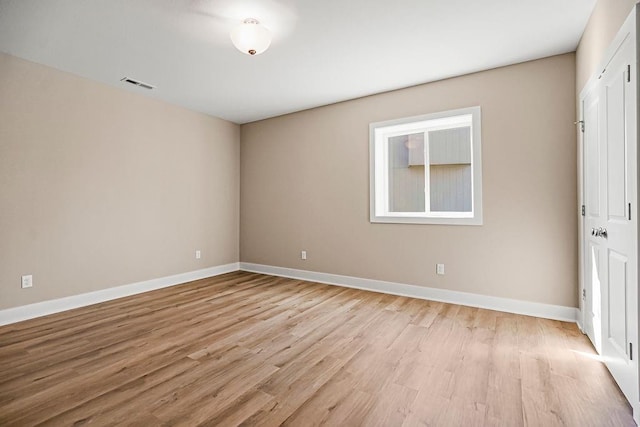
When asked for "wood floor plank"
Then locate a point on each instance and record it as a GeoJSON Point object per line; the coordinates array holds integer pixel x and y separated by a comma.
{"type": "Point", "coordinates": [391, 408]}
{"type": "Point", "coordinates": [250, 349]}
{"type": "Point", "coordinates": [292, 395]}
{"type": "Point", "coordinates": [317, 409]}
{"type": "Point", "coordinates": [114, 403]}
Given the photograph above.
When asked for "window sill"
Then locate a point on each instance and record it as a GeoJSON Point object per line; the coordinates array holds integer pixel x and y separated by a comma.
{"type": "Point", "coordinates": [477, 220]}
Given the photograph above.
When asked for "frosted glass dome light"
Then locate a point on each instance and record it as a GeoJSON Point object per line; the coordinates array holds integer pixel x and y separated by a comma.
{"type": "Point", "coordinates": [250, 37]}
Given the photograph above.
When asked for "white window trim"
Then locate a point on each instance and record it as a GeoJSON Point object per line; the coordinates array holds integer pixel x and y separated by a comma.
{"type": "Point", "coordinates": [378, 173]}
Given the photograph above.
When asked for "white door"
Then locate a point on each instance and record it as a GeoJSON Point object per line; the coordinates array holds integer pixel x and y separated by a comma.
{"type": "Point", "coordinates": [610, 235]}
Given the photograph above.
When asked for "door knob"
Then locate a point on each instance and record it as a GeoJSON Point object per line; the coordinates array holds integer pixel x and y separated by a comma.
{"type": "Point", "coordinates": [602, 232]}
{"type": "Point", "coordinates": [593, 232]}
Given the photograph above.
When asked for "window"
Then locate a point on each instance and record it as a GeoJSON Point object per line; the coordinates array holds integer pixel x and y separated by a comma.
{"type": "Point", "coordinates": [427, 169]}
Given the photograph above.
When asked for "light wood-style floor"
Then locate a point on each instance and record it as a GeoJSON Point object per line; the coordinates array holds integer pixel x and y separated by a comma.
{"type": "Point", "coordinates": [251, 349]}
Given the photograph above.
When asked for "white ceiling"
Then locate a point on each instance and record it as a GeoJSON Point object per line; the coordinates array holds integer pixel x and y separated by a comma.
{"type": "Point", "coordinates": [324, 51]}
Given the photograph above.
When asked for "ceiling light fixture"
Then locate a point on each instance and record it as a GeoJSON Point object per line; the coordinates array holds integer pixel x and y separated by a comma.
{"type": "Point", "coordinates": [250, 37]}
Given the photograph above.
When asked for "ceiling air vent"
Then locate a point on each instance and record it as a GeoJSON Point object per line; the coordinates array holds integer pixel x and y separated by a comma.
{"type": "Point", "coordinates": [137, 83]}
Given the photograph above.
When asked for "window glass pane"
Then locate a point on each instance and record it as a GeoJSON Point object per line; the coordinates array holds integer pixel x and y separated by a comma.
{"type": "Point", "coordinates": [450, 170]}
{"type": "Point", "coordinates": [450, 188]}
{"type": "Point", "coordinates": [406, 173]}
{"type": "Point", "coordinates": [450, 146]}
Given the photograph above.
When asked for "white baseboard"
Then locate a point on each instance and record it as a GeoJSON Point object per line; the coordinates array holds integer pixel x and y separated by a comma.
{"type": "Point", "coordinates": [547, 311]}
{"type": "Point", "coordinates": [25, 312]}
{"type": "Point", "coordinates": [579, 320]}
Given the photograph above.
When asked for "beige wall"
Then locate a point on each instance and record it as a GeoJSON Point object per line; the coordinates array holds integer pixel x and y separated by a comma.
{"type": "Point", "coordinates": [100, 187]}
{"type": "Point", "coordinates": [305, 185]}
{"type": "Point", "coordinates": [606, 19]}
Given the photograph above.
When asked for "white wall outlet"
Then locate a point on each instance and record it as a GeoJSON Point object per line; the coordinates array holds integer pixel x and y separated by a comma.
{"type": "Point", "coordinates": [198, 255]}
{"type": "Point", "coordinates": [440, 269]}
{"type": "Point", "coordinates": [27, 281]}
{"type": "Point", "coordinates": [303, 254]}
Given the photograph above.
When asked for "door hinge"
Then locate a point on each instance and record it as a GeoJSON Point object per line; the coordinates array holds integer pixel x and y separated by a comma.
{"type": "Point", "coordinates": [584, 294]}
{"type": "Point", "coordinates": [629, 211]}
{"type": "Point", "coordinates": [630, 351]}
{"type": "Point", "coordinates": [628, 73]}
{"type": "Point", "coordinates": [583, 210]}
{"type": "Point", "coordinates": [581, 123]}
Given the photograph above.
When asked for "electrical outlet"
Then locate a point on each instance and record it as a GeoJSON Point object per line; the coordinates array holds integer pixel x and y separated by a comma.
{"type": "Point", "coordinates": [440, 269]}
{"type": "Point", "coordinates": [27, 281]}
{"type": "Point", "coordinates": [198, 255]}
{"type": "Point", "coordinates": [303, 254]}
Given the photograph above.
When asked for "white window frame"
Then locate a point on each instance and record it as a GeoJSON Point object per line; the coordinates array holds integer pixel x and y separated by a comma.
{"type": "Point", "coordinates": [379, 134]}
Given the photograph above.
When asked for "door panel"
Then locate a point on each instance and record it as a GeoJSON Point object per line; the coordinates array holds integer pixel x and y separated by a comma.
{"type": "Point", "coordinates": [591, 274]}
{"type": "Point", "coordinates": [592, 154]}
{"type": "Point", "coordinates": [593, 301]}
{"type": "Point", "coordinates": [617, 299]}
{"type": "Point", "coordinates": [616, 152]}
